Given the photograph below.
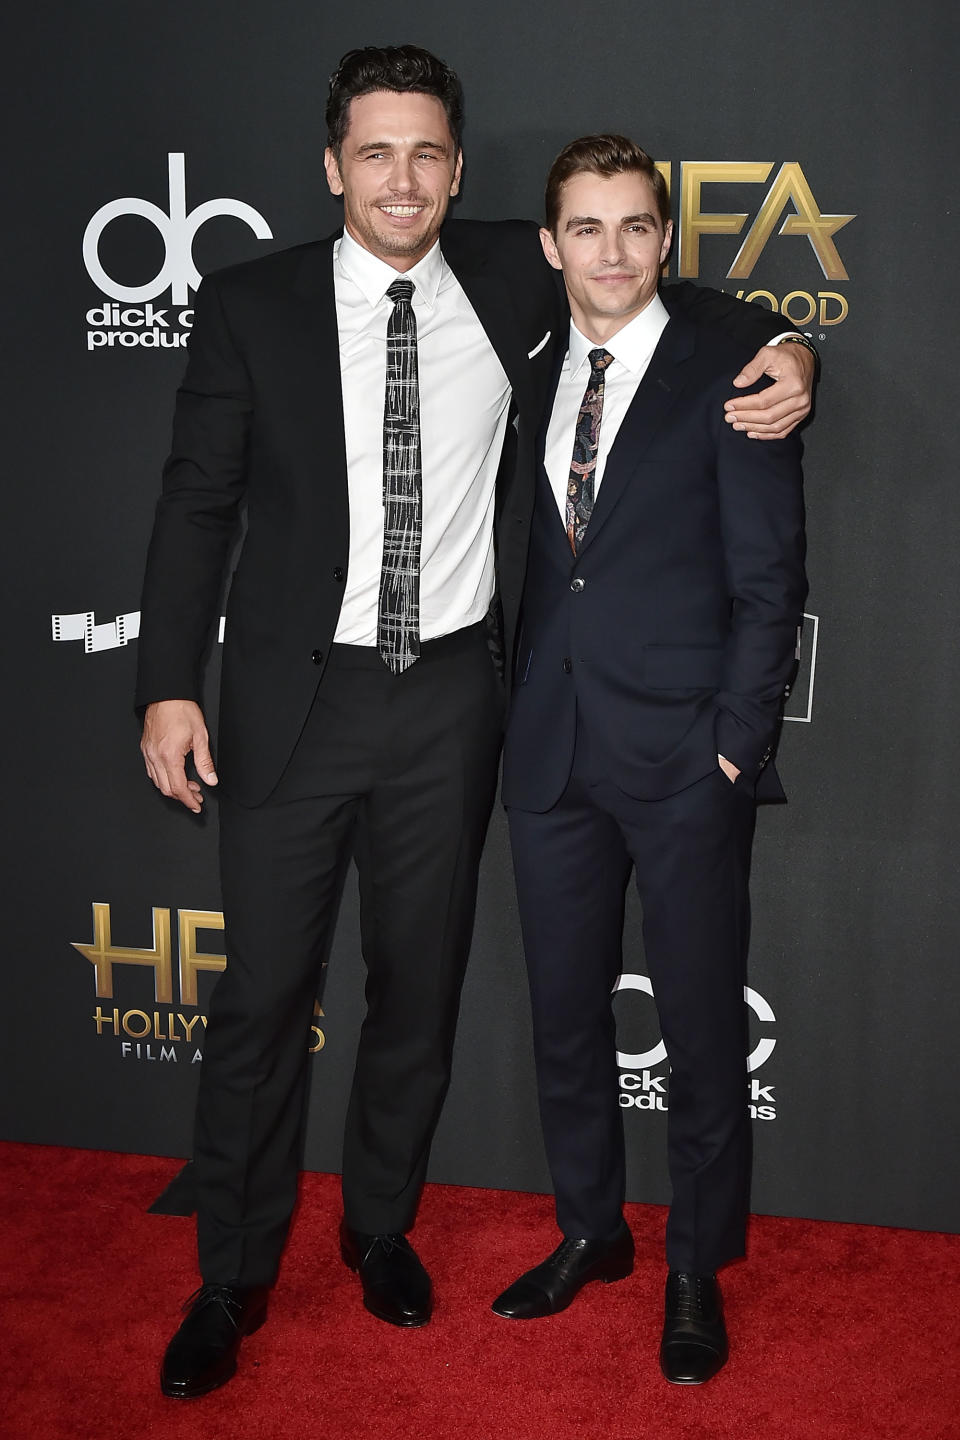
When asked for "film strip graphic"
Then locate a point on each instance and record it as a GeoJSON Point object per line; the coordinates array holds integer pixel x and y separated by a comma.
{"type": "Point", "coordinates": [109, 635]}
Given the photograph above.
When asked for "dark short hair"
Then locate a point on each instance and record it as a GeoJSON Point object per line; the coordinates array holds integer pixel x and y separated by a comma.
{"type": "Point", "coordinates": [604, 155]}
{"type": "Point", "coordinates": [391, 67]}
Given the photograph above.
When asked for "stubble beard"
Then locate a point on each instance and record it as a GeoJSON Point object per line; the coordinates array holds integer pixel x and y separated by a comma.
{"type": "Point", "coordinates": [396, 244]}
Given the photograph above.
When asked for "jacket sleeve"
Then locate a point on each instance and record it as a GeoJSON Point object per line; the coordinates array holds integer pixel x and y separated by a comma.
{"type": "Point", "coordinates": [198, 511]}
{"type": "Point", "coordinates": [750, 324]}
{"type": "Point", "coordinates": [762, 520]}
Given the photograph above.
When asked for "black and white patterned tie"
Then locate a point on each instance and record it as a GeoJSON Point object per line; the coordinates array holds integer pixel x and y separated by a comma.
{"type": "Point", "coordinates": [398, 620]}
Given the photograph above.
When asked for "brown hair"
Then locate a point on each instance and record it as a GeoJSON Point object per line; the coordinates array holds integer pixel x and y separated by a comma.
{"type": "Point", "coordinates": [391, 67]}
{"type": "Point", "coordinates": [604, 155]}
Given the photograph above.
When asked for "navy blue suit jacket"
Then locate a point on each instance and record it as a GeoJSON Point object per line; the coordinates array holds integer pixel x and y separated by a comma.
{"type": "Point", "coordinates": [674, 630]}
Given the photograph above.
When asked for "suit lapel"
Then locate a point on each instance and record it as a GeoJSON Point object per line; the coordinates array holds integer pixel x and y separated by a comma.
{"type": "Point", "coordinates": [657, 395]}
{"type": "Point", "coordinates": [491, 300]}
{"type": "Point", "coordinates": [545, 495]}
{"type": "Point", "coordinates": [311, 366]}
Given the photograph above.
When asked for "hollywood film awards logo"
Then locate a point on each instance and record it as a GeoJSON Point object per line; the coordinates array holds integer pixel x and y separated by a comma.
{"type": "Point", "coordinates": [788, 208]}
{"type": "Point", "coordinates": [128, 318]}
{"type": "Point", "coordinates": [169, 1024]}
{"type": "Point", "coordinates": [641, 1088]}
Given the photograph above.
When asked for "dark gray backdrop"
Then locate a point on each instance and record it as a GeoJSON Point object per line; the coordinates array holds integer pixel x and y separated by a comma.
{"type": "Point", "coordinates": [854, 955]}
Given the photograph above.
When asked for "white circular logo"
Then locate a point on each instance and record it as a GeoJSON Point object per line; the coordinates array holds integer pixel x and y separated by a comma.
{"type": "Point", "coordinates": [178, 230]}
{"type": "Point", "coordinates": [647, 1059]}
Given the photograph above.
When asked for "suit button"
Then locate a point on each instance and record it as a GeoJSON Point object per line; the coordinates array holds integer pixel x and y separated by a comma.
{"type": "Point", "coordinates": [317, 657]}
{"type": "Point", "coordinates": [567, 665]}
{"type": "Point", "coordinates": [338, 573]}
{"type": "Point", "coordinates": [577, 585]}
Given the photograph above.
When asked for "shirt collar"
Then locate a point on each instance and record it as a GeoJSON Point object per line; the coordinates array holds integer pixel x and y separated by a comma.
{"type": "Point", "coordinates": [373, 276]}
{"type": "Point", "coordinates": [632, 346]}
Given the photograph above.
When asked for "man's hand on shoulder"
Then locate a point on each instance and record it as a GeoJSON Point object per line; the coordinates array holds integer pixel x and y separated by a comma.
{"type": "Point", "coordinates": [774, 412]}
{"type": "Point", "coordinates": [171, 730]}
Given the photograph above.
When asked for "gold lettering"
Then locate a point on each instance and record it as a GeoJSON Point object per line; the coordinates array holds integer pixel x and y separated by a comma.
{"type": "Point", "coordinates": [103, 954]}
{"type": "Point", "coordinates": [317, 1044]}
{"type": "Point", "coordinates": [760, 295]}
{"type": "Point", "coordinates": [187, 1025]}
{"type": "Point", "coordinates": [101, 1020]}
{"type": "Point", "coordinates": [790, 186]}
{"type": "Point", "coordinates": [137, 1034]}
{"type": "Point", "coordinates": [825, 317]}
{"type": "Point", "coordinates": [809, 303]}
{"type": "Point", "coordinates": [693, 221]}
{"type": "Point", "coordinates": [191, 959]}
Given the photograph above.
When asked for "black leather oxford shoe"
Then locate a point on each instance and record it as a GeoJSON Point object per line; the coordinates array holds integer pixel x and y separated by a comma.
{"type": "Point", "coordinates": [694, 1344]}
{"type": "Point", "coordinates": [551, 1286]}
{"type": "Point", "coordinates": [203, 1353]}
{"type": "Point", "coordinates": [396, 1288]}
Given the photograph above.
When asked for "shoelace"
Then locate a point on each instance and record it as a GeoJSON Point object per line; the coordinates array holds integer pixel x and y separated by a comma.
{"type": "Point", "coordinates": [389, 1243]}
{"type": "Point", "coordinates": [566, 1248]}
{"type": "Point", "coordinates": [221, 1295]}
{"type": "Point", "coordinates": [689, 1302]}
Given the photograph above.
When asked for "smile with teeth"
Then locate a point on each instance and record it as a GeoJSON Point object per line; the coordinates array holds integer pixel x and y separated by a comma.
{"type": "Point", "coordinates": [402, 212]}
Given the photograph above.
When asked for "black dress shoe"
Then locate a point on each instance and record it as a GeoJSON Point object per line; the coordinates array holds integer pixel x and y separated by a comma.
{"type": "Point", "coordinates": [694, 1344]}
{"type": "Point", "coordinates": [551, 1286]}
{"type": "Point", "coordinates": [396, 1288]}
{"type": "Point", "coordinates": [203, 1353]}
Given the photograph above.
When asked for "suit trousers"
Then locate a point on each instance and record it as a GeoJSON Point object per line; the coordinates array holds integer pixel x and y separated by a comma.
{"type": "Point", "coordinates": [398, 772]}
{"type": "Point", "coordinates": [691, 855]}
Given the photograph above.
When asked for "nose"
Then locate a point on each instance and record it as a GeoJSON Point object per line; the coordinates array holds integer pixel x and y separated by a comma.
{"type": "Point", "coordinates": [401, 175]}
{"type": "Point", "coordinates": [611, 250]}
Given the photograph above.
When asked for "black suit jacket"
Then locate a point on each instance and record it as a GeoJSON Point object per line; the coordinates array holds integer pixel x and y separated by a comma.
{"type": "Point", "coordinates": [258, 435]}
{"type": "Point", "coordinates": [674, 630]}
{"type": "Point", "coordinates": [259, 425]}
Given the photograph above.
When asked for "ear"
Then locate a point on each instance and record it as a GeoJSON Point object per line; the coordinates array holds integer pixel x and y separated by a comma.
{"type": "Point", "coordinates": [667, 241]}
{"type": "Point", "coordinates": [455, 182]}
{"type": "Point", "coordinates": [550, 248]}
{"type": "Point", "coordinates": [333, 172]}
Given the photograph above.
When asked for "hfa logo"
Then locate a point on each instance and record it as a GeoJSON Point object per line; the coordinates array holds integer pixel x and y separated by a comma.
{"type": "Point", "coordinates": [642, 1090]}
{"type": "Point", "coordinates": [155, 1034]}
{"type": "Point", "coordinates": [133, 320]}
{"type": "Point", "coordinates": [788, 191]}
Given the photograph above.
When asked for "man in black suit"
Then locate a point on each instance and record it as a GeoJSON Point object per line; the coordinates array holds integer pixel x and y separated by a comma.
{"type": "Point", "coordinates": [369, 405]}
{"type": "Point", "coordinates": [664, 591]}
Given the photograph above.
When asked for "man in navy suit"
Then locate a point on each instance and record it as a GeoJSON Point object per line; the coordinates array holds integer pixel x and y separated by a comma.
{"type": "Point", "coordinates": [664, 590]}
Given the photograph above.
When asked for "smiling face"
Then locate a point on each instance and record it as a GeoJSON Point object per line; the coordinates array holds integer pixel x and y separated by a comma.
{"type": "Point", "coordinates": [397, 170]}
{"type": "Point", "coordinates": [610, 244]}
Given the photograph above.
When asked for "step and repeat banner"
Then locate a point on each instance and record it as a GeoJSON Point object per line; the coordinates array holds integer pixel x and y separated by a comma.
{"type": "Point", "coordinates": [806, 152]}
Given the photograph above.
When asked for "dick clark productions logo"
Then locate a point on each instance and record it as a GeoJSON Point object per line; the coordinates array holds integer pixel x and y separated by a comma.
{"type": "Point", "coordinates": [641, 1089]}
{"type": "Point", "coordinates": [132, 320]}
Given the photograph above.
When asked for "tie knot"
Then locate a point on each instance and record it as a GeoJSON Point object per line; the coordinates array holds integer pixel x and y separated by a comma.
{"type": "Point", "coordinates": [600, 359]}
{"type": "Point", "coordinates": [401, 290]}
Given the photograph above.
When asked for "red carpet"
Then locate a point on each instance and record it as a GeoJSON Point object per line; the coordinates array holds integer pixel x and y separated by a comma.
{"type": "Point", "coordinates": [838, 1332]}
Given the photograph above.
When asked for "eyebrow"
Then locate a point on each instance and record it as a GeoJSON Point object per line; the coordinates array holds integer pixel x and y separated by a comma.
{"type": "Point", "coordinates": [644, 217]}
{"type": "Point", "coordinates": [389, 144]}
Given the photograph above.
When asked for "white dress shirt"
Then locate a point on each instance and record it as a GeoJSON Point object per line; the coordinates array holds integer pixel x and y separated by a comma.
{"type": "Point", "coordinates": [632, 350]}
{"type": "Point", "coordinates": [464, 402]}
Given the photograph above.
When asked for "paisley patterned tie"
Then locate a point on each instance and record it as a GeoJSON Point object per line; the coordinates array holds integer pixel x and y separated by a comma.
{"type": "Point", "coordinates": [398, 620]}
{"type": "Point", "coordinates": [585, 442]}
